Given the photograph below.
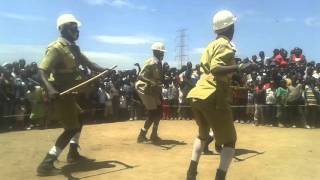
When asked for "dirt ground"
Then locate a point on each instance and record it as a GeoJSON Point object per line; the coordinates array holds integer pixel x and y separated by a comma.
{"type": "Point", "coordinates": [262, 153]}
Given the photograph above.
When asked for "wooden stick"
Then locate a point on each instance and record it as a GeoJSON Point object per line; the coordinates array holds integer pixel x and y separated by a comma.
{"type": "Point", "coordinates": [87, 81]}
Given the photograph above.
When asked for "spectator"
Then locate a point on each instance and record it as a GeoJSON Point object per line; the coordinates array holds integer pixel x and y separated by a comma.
{"type": "Point", "coordinates": [259, 102]}
{"type": "Point", "coordinates": [281, 95]}
{"type": "Point", "coordinates": [108, 111]}
{"type": "Point", "coordinates": [294, 102]}
{"type": "Point", "coordinates": [35, 96]}
{"type": "Point", "coordinates": [173, 99]}
{"type": "Point", "coordinates": [165, 102]}
{"type": "Point", "coordinates": [311, 99]}
{"type": "Point", "coordinates": [271, 109]}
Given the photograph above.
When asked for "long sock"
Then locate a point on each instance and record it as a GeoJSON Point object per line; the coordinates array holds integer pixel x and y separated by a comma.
{"type": "Point", "coordinates": [75, 138]}
{"type": "Point", "coordinates": [226, 156]}
{"type": "Point", "coordinates": [56, 151]}
{"type": "Point", "coordinates": [198, 146]}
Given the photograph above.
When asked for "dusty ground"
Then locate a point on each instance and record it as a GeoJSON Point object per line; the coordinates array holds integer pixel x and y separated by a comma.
{"type": "Point", "coordinates": [263, 153]}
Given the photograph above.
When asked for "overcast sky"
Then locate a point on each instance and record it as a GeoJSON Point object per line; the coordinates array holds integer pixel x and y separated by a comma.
{"type": "Point", "coordinates": [121, 31]}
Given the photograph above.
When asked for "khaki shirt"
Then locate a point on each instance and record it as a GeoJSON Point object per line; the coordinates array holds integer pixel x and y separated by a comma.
{"type": "Point", "coordinates": [61, 61]}
{"type": "Point", "coordinates": [152, 70]}
{"type": "Point", "coordinates": [218, 53]}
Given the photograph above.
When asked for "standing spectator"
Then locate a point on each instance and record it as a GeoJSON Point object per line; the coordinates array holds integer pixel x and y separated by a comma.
{"type": "Point", "coordinates": [250, 103]}
{"type": "Point", "coordinates": [8, 91]}
{"type": "Point", "coordinates": [165, 102]}
{"type": "Point", "coordinates": [108, 111]}
{"type": "Point", "coordinates": [316, 72]}
{"type": "Point", "coordinates": [262, 59]}
{"type": "Point", "coordinates": [115, 96]}
{"type": "Point", "coordinates": [195, 75]}
{"type": "Point", "coordinates": [101, 100]}
{"type": "Point", "coordinates": [311, 100]}
{"type": "Point", "coordinates": [35, 96]}
{"type": "Point", "coordinates": [123, 107]}
{"type": "Point", "coordinates": [133, 101]}
{"type": "Point", "coordinates": [173, 99]}
{"type": "Point", "coordinates": [295, 102]}
{"type": "Point", "coordinates": [259, 102]}
{"type": "Point", "coordinates": [298, 57]}
{"type": "Point", "coordinates": [185, 86]}
{"type": "Point", "coordinates": [271, 101]}
{"type": "Point", "coordinates": [281, 95]}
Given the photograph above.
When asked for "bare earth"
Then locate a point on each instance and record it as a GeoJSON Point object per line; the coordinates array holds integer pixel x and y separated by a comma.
{"type": "Point", "coordinates": [263, 153]}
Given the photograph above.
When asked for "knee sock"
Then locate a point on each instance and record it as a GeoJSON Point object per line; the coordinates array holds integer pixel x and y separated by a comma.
{"type": "Point", "coordinates": [198, 146]}
{"type": "Point", "coordinates": [226, 156]}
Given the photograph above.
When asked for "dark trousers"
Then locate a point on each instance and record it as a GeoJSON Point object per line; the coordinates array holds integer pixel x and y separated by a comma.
{"type": "Point", "coordinates": [311, 115]}
{"type": "Point", "coordinates": [296, 114]}
{"type": "Point", "coordinates": [173, 108]}
{"type": "Point", "coordinates": [281, 116]}
{"type": "Point", "coordinates": [115, 105]}
{"type": "Point", "coordinates": [270, 115]}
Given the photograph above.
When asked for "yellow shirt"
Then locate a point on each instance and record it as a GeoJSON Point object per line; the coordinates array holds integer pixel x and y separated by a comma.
{"type": "Point", "coordinates": [62, 60]}
{"type": "Point", "coordinates": [152, 71]}
{"type": "Point", "coordinates": [218, 53]}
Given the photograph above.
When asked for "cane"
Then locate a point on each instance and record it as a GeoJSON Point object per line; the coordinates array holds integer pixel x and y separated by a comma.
{"type": "Point", "coordinates": [87, 81]}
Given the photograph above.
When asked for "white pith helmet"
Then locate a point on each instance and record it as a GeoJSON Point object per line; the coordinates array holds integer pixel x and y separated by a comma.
{"type": "Point", "coordinates": [159, 46]}
{"type": "Point", "coordinates": [67, 18]}
{"type": "Point", "coordinates": [223, 19]}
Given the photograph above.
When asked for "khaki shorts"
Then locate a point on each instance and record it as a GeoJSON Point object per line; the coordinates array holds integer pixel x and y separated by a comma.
{"type": "Point", "coordinates": [66, 110]}
{"type": "Point", "coordinates": [150, 102]}
{"type": "Point", "coordinates": [220, 120]}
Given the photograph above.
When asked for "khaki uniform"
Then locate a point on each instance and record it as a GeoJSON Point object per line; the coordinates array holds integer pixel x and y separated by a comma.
{"type": "Point", "coordinates": [211, 97]}
{"type": "Point", "coordinates": [150, 95]}
{"type": "Point", "coordinates": [61, 60]}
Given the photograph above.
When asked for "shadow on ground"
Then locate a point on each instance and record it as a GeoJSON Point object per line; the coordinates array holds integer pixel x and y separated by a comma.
{"type": "Point", "coordinates": [87, 166]}
{"type": "Point", "coordinates": [168, 144]}
{"type": "Point", "coordinates": [240, 152]}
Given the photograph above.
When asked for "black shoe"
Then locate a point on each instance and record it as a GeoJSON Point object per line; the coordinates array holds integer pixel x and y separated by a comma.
{"type": "Point", "coordinates": [74, 156]}
{"type": "Point", "coordinates": [192, 170]}
{"type": "Point", "coordinates": [46, 167]}
{"type": "Point", "coordinates": [191, 176]}
{"type": "Point", "coordinates": [142, 137]}
{"type": "Point", "coordinates": [220, 175]}
{"type": "Point", "coordinates": [218, 148]}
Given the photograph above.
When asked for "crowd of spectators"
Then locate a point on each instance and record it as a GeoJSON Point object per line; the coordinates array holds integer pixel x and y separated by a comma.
{"type": "Point", "coordinates": [284, 92]}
